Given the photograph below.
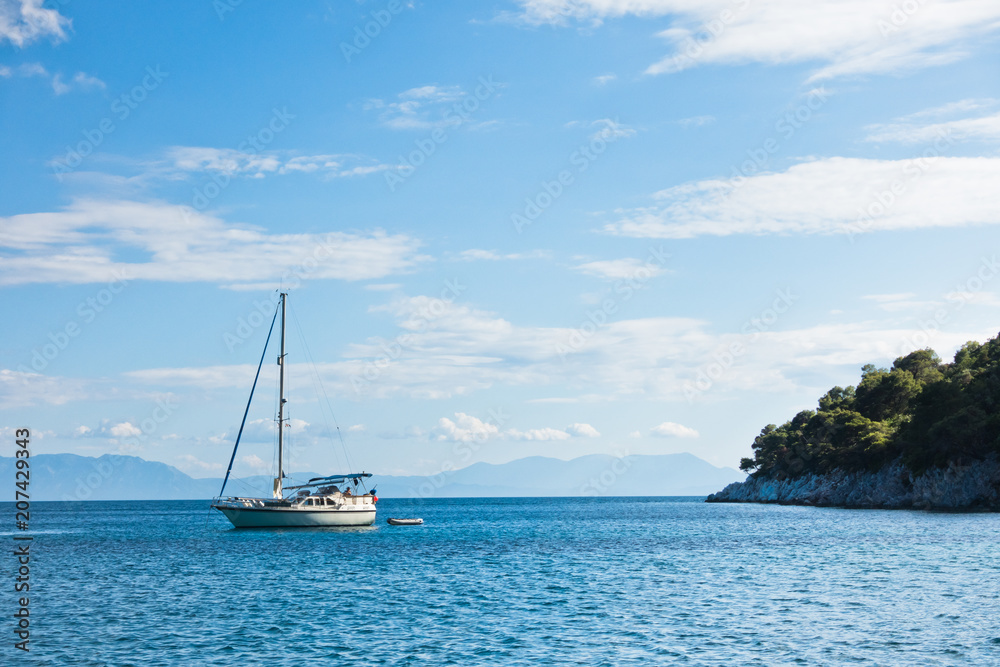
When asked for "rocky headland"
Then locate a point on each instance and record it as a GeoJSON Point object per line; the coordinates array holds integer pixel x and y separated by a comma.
{"type": "Point", "coordinates": [922, 434]}
{"type": "Point", "coordinates": [971, 487]}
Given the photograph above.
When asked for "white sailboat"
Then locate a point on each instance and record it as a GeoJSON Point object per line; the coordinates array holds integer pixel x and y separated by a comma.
{"type": "Point", "coordinates": [334, 500]}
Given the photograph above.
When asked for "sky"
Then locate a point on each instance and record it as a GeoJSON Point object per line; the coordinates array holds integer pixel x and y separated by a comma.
{"type": "Point", "coordinates": [526, 227]}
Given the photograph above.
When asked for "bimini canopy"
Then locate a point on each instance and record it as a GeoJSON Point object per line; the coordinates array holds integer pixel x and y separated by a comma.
{"type": "Point", "coordinates": [332, 479]}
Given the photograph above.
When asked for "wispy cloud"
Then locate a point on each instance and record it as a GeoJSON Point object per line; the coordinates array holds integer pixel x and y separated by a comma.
{"type": "Point", "coordinates": [464, 350]}
{"type": "Point", "coordinates": [617, 269]}
{"type": "Point", "coordinates": [848, 37]}
{"type": "Point", "coordinates": [192, 465]}
{"type": "Point", "coordinates": [926, 126]}
{"type": "Point", "coordinates": [604, 79]}
{"type": "Point", "coordinates": [21, 388]}
{"type": "Point", "coordinates": [232, 162]}
{"type": "Point", "coordinates": [79, 81]}
{"type": "Point", "coordinates": [608, 129]}
{"type": "Point", "coordinates": [419, 108]}
{"type": "Point", "coordinates": [901, 302]}
{"type": "Point", "coordinates": [476, 254]}
{"type": "Point", "coordinates": [89, 240]}
{"type": "Point", "coordinates": [826, 196]}
{"type": "Point", "coordinates": [696, 121]}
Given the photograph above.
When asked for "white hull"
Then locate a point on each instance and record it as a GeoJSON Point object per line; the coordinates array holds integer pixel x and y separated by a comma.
{"type": "Point", "coordinates": [295, 516]}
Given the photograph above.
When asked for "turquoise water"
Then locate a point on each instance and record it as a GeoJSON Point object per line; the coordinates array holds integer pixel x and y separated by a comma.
{"type": "Point", "coordinates": [595, 581]}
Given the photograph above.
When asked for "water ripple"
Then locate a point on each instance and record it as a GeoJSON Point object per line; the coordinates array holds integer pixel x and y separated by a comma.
{"type": "Point", "coordinates": [517, 582]}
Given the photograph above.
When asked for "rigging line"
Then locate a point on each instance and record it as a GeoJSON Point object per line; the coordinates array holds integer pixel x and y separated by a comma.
{"type": "Point", "coordinates": [319, 381]}
{"type": "Point", "coordinates": [314, 377]}
{"type": "Point", "coordinates": [325, 407]}
{"type": "Point", "coordinates": [249, 400]}
{"type": "Point", "coordinates": [274, 434]}
{"type": "Point", "coordinates": [250, 489]}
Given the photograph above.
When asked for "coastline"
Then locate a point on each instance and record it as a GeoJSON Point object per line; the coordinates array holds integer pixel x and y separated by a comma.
{"type": "Point", "coordinates": [956, 488]}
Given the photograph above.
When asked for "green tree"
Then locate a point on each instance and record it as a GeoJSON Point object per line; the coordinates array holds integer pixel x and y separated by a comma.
{"type": "Point", "coordinates": [927, 412]}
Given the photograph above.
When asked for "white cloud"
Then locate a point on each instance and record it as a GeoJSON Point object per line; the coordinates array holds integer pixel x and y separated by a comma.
{"type": "Point", "coordinates": [915, 130]}
{"type": "Point", "coordinates": [617, 269]}
{"type": "Point", "coordinates": [604, 79]}
{"type": "Point", "coordinates": [543, 434]}
{"type": "Point", "coordinates": [233, 162]}
{"type": "Point", "coordinates": [901, 302]}
{"type": "Point", "coordinates": [356, 428]}
{"type": "Point", "coordinates": [255, 463]}
{"type": "Point", "coordinates": [191, 465]}
{"type": "Point", "coordinates": [583, 430]}
{"type": "Point", "coordinates": [125, 430]}
{"type": "Point", "coordinates": [81, 431]}
{"type": "Point", "coordinates": [85, 243]}
{"type": "Point", "coordinates": [465, 428]}
{"type": "Point", "coordinates": [696, 121]}
{"type": "Point", "coordinates": [846, 37]}
{"type": "Point", "coordinates": [24, 21]}
{"type": "Point", "coordinates": [80, 81]}
{"type": "Point", "coordinates": [983, 298]}
{"type": "Point", "coordinates": [610, 130]}
{"type": "Point", "coordinates": [673, 430]}
{"type": "Point", "coordinates": [32, 69]}
{"type": "Point", "coordinates": [827, 196]}
{"type": "Point", "coordinates": [59, 87]}
{"type": "Point", "coordinates": [265, 430]}
{"type": "Point", "coordinates": [23, 388]}
{"type": "Point", "coordinates": [424, 107]}
{"type": "Point", "coordinates": [86, 81]}
{"type": "Point", "coordinates": [475, 254]}
{"type": "Point", "coordinates": [951, 108]}
{"type": "Point", "coordinates": [462, 351]}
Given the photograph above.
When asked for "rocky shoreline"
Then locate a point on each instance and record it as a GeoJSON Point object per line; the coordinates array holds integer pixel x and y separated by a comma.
{"type": "Point", "coordinates": [971, 487]}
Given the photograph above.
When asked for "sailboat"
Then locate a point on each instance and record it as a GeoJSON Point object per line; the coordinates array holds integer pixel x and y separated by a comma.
{"type": "Point", "coordinates": [334, 500]}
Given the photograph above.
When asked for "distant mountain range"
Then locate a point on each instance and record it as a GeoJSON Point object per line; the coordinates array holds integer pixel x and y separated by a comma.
{"type": "Point", "coordinates": [115, 477]}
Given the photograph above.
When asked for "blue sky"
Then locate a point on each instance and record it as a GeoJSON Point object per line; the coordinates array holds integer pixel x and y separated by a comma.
{"type": "Point", "coordinates": [554, 227]}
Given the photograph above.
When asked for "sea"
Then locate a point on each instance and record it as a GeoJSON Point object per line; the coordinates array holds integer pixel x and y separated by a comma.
{"type": "Point", "coordinates": [509, 581]}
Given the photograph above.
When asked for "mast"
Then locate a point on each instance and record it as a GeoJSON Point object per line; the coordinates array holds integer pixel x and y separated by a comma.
{"type": "Point", "coordinates": [281, 403]}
